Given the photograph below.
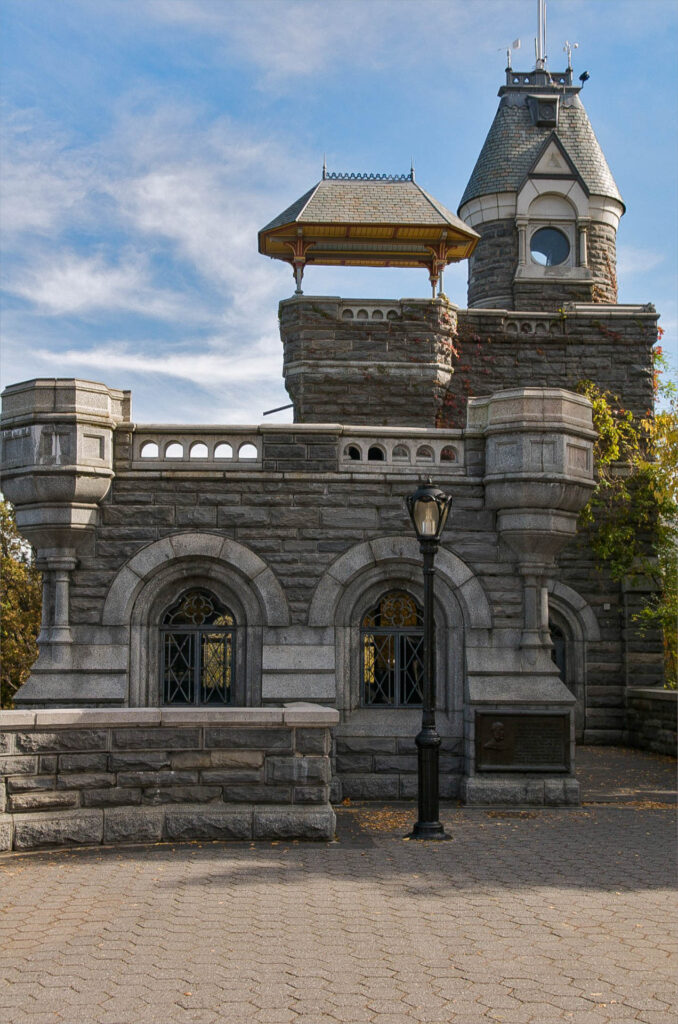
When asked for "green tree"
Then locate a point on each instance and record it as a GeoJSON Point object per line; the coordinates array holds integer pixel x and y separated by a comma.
{"type": "Point", "coordinates": [20, 605]}
{"type": "Point", "coordinates": [632, 517]}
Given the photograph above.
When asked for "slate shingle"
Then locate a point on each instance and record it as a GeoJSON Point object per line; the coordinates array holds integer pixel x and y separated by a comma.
{"type": "Point", "coordinates": [367, 201]}
{"type": "Point", "coordinates": [513, 144]}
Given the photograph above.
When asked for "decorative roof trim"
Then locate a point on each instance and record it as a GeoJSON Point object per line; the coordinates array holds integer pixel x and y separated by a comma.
{"type": "Point", "coordinates": [359, 176]}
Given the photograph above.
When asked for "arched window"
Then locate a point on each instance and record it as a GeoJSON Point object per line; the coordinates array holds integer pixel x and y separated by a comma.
{"type": "Point", "coordinates": [197, 650]}
{"type": "Point", "coordinates": [391, 643]}
{"type": "Point", "coordinates": [559, 649]}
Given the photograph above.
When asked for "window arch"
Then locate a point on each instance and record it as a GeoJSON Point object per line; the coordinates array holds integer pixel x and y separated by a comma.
{"type": "Point", "coordinates": [392, 654]}
{"type": "Point", "coordinates": [197, 650]}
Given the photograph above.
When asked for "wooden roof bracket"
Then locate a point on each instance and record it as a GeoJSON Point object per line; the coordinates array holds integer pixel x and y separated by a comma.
{"type": "Point", "coordinates": [299, 249]}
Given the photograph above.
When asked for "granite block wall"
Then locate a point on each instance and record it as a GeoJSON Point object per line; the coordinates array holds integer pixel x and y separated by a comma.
{"type": "Point", "coordinates": [652, 720]}
{"type": "Point", "coordinates": [497, 350]}
{"type": "Point", "coordinates": [341, 369]}
{"type": "Point", "coordinates": [139, 775]}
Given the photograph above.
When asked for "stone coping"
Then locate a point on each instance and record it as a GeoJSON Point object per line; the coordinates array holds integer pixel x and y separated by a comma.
{"type": "Point", "coordinates": [653, 693]}
{"type": "Point", "coordinates": [302, 714]}
{"type": "Point", "coordinates": [340, 429]}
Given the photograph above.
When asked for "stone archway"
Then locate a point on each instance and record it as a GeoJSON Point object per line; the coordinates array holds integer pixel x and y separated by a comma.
{"type": "Point", "coordinates": [573, 627]}
{"type": "Point", "coordinates": [145, 584]}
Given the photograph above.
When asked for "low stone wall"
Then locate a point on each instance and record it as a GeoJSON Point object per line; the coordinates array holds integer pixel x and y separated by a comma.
{"type": "Point", "coordinates": [143, 775]}
{"type": "Point", "coordinates": [385, 767]}
{"type": "Point", "coordinates": [652, 719]}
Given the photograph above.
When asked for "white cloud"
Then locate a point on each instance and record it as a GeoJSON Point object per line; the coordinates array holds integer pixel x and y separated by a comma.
{"type": "Point", "coordinates": [160, 184]}
{"type": "Point", "coordinates": [212, 368]}
{"type": "Point", "coordinates": [42, 180]}
{"type": "Point", "coordinates": [303, 38]}
{"type": "Point", "coordinates": [75, 284]}
{"type": "Point", "coordinates": [635, 260]}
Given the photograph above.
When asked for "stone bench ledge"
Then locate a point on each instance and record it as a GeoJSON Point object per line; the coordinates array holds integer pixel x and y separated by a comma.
{"type": "Point", "coordinates": [303, 714]}
{"type": "Point", "coordinates": [653, 693]}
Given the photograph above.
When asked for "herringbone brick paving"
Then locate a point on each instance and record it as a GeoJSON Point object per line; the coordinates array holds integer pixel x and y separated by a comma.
{"type": "Point", "coordinates": [524, 916]}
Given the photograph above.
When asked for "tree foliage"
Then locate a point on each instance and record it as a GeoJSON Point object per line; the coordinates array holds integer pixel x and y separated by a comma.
{"type": "Point", "coordinates": [632, 517]}
{"type": "Point", "coordinates": [20, 607]}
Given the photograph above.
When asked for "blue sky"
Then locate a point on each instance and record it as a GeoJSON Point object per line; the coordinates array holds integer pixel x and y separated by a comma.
{"type": "Point", "coordinates": [146, 141]}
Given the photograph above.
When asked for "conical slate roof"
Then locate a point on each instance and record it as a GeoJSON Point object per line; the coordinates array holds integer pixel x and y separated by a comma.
{"type": "Point", "coordinates": [514, 142]}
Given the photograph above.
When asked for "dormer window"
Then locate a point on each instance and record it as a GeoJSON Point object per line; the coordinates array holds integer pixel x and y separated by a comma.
{"type": "Point", "coordinates": [544, 111]}
{"type": "Point", "coordinates": [547, 236]}
{"type": "Point", "coordinates": [549, 247]}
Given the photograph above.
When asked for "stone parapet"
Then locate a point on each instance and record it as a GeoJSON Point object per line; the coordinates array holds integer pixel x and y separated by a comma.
{"type": "Point", "coordinates": [652, 719]}
{"type": "Point", "coordinates": [92, 776]}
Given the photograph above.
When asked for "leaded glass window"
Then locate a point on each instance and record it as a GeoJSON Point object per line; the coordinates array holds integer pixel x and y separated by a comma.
{"type": "Point", "coordinates": [392, 652]}
{"type": "Point", "coordinates": [197, 642]}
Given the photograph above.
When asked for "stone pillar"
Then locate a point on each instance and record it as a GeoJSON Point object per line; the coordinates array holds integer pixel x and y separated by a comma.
{"type": "Point", "coordinates": [583, 229]}
{"type": "Point", "coordinates": [520, 714]}
{"type": "Point", "coordinates": [47, 600]}
{"type": "Point", "coordinates": [532, 614]}
{"type": "Point", "coordinates": [57, 462]}
{"type": "Point", "coordinates": [61, 567]}
{"type": "Point", "coordinates": [521, 224]}
{"type": "Point", "coordinates": [545, 631]}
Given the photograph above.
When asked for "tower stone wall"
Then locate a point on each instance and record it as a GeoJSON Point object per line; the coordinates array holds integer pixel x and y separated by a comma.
{"type": "Point", "coordinates": [367, 361]}
{"type": "Point", "coordinates": [493, 265]}
{"type": "Point", "coordinates": [602, 257]}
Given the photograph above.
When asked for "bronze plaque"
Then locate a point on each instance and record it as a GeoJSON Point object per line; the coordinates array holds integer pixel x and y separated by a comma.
{"type": "Point", "coordinates": [522, 743]}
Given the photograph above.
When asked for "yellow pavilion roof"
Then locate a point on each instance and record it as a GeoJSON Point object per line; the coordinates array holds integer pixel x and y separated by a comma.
{"type": "Point", "coordinates": [370, 221]}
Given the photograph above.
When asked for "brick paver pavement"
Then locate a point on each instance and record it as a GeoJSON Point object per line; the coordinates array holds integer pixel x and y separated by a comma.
{"type": "Point", "coordinates": [524, 916]}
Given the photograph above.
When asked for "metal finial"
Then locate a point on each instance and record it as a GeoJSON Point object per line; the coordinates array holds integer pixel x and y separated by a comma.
{"type": "Point", "coordinates": [324, 166]}
{"type": "Point", "coordinates": [540, 42]}
{"type": "Point", "coordinates": [568, 48]}
{"type": "Point", "coordinates": [412, 169]}
{"type": "Point", "coordinates": [515, 45]}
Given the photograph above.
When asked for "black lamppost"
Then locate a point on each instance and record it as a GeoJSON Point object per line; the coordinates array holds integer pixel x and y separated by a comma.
{"type": "Point", "coordinates": [428, 508]}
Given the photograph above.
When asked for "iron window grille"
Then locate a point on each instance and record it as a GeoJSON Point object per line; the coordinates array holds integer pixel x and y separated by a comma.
{"type": "Point", "coordinates": [197, 644]}
{"type": "Point", "coordinates": [559, 649]}
{"type": "Point", "coordinates": [392, 652]}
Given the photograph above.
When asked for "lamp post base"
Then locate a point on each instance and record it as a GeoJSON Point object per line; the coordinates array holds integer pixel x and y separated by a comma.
{"type": "Point", "coordinates": [427, 825]}
{"type": "Point", "coordinates": [428, 830]}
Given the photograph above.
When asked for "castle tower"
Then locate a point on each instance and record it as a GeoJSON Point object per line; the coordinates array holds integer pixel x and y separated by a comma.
{"type": "Point", "coordinates": [543, 199]}
{"type": "Point", "coordinates": [367, 361]}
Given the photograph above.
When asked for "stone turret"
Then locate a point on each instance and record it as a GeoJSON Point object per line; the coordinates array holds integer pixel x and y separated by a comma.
{"type": "Point", "coordinates": [368, 361]}
{"type": "Point", "coordinates": [544, 201]}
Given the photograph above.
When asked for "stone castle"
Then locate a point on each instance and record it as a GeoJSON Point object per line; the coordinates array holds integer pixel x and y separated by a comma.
{"type": "Point", "coordinates": [232, 616]}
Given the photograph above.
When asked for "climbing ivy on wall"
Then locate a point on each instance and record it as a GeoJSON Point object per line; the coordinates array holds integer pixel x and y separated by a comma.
{"type": "Point", "coordinates": [20, 604]}
{"type": "Point", "coordinates": [632, 518]}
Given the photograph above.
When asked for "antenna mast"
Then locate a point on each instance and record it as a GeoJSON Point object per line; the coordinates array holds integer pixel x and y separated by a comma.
{"type": "Point", "coordinates": [541, 35]}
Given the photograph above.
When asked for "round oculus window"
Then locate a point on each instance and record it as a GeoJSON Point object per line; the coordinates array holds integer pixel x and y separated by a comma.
{"type": "Point", "coordinates": [549, 247]}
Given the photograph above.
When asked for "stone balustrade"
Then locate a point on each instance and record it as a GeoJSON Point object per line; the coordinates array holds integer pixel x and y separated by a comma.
{"type": "Point", "coordinates": [72, 776]}
{"type": "Point", "coordinates": [194, 449]}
